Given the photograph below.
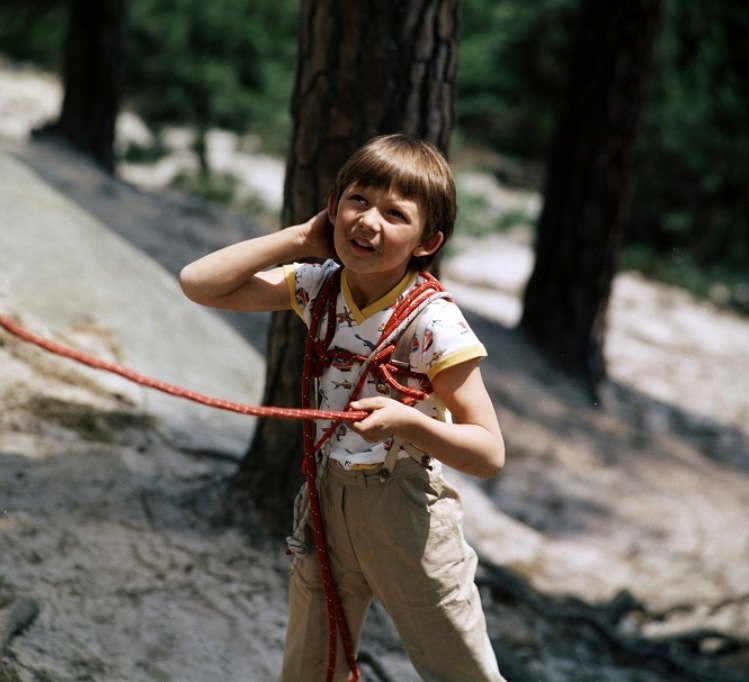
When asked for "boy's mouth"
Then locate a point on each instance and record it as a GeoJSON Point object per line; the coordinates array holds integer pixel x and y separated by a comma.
{"type": "Point", "coordinates": [361, 244]}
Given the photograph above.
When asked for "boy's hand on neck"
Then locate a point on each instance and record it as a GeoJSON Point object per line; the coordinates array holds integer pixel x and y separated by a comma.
{"type": "Point", "coordinates": [245, 276]}
{"type": "Point", "coordinates": [316, 236]}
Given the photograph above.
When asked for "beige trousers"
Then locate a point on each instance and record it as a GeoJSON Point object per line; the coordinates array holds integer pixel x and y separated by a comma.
{"type": "Point", "coordinates": [401, 541]}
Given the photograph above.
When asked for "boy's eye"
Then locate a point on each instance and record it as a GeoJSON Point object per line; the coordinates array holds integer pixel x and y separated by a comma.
{"type": "Point", "coordinates": [399, 215]}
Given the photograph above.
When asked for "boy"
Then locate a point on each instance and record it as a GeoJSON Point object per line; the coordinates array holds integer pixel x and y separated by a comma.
{"type": "Point", "coordinates": [393, 526]}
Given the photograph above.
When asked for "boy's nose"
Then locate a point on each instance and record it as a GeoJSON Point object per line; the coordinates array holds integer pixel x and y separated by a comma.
{"type": "Point", "coordinates": [371, 218]}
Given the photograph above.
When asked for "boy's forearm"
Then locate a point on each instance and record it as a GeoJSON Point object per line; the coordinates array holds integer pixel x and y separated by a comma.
{"type": "Point", "coordinates": [469, 448]}
{"type": "Point", "coordinates": [222, 272]}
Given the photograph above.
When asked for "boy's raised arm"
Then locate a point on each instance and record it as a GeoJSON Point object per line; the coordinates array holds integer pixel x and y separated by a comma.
{"type": "Point", "coordinates": [245, 276]}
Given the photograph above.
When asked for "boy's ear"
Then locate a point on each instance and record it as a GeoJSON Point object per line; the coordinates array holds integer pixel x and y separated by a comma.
{"type": "Point", "coordinates": [332, 207]}
{"type": "Point", "coordinates": [430, 245]}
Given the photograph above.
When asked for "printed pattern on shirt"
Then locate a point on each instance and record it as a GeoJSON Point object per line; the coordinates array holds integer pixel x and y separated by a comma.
{"type": "Point", "coordinates": [441, 339]}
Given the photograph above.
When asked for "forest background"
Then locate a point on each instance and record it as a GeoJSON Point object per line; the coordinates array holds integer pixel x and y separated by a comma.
{"type": "Point", "coordinates": [231, 65]}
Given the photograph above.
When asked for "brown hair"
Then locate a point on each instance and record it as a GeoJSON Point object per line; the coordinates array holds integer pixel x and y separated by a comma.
{"type": "Point", "coordinates": [414, 168]}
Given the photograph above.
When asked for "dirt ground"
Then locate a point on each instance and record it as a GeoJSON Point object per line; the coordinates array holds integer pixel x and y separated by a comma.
{"type": "Point", "coordinates": [615, 544]}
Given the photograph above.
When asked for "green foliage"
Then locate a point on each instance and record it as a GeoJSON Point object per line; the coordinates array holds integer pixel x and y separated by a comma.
{"type": "Point", "coordinates": [724, 285]}
{"type": "Point", "coordinates": [693, 165]}
{"type": "Point", "coordinates": [216, 188]}
{"type": "Point", "coordinates": [230, 63]}
{"type": "Point", "coordinates": [33, 33]}
{"type": "Point", "coordinates": [473, 218]}
{"type": "Point", "coordinates": [227, 63]}
{"type": "Point", "coordinates": [221, 188]}
{"type": "Point", "coordinates": [476, 218]}
{"type": "Point", "coordinates": [511, 72]}
{"type": "Point", "coordinates": [137, 153]}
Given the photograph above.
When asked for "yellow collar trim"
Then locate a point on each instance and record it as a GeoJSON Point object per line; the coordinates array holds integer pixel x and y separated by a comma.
{"type": "Point", "coordinates": [381, 303]}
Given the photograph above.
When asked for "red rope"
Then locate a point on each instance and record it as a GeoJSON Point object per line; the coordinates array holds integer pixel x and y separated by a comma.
{"type": "Point", "coordinates": [315, 356]}
{"type": "Point", "coordinates": [336, 619]}
{"type": "Point", "coordinates": [265, 411]}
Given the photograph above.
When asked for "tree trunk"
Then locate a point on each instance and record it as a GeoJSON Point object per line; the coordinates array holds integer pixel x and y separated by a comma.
{"type": "Point", "coordinates": [588, 185]}
{"type": "Point", "coordinates": [93, 78]}
{"type": "Point", "coordinates": [363, 69]}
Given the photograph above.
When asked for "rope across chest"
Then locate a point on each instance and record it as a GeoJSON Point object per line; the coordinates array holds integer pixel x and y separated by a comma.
{"type": "Point", "coordinates": [387, 363]}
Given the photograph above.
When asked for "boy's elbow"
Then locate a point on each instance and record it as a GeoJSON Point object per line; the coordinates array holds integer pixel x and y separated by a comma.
{"type": "Point", "coordinates": [184, 279]}
{"type": "Point", "coordinates": [498, 463]}
{"type": "Point", "coordinates": [494, 462]}
{"type": "Point", "coordinates": [188, 284]}
{"type": "Point", "coordinates": [492, 468]}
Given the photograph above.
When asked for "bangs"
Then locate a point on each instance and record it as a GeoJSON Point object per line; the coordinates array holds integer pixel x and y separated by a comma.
{"type": "Point", "coordinates": [391, 171]}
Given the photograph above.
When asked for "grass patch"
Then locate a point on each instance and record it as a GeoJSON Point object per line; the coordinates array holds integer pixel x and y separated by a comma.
{"type": "Point", "coordinates": [477, 218]}
{"type": "Point", "coordinates": [216, 188]}
{"type": "Point", "coordinates": [138, 153]}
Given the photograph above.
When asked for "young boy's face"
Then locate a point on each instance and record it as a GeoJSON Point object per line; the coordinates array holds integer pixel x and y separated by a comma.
{"type": "Point", "coordinates": [377, 231]}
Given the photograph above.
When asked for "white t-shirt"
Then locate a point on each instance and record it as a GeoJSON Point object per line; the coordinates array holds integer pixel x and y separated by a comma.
{"type": "Point", "coordinates": [441, 339]}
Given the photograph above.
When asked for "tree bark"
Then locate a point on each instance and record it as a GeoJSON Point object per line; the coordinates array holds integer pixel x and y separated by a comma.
{"type": "Point", "coordinates": [588, 185]}
{"type": "Point", "coordinates": [93, 78]}
{"type": "Point", "coordinates": [363, 69]}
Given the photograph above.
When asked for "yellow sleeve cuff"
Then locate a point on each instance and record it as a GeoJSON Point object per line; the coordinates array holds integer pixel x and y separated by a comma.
{"type": "Point", "coordinates": [456, 358]}
{"type": "Point", "coordinates": [289, 272]}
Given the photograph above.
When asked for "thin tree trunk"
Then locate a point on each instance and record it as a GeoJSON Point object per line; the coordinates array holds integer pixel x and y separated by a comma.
{"type": "Point", "coordinates": [588, 185]}
{"type": "Point", "coordinates": [363, 69]}
{"type": "Point", "coordinates": [93, 77]}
